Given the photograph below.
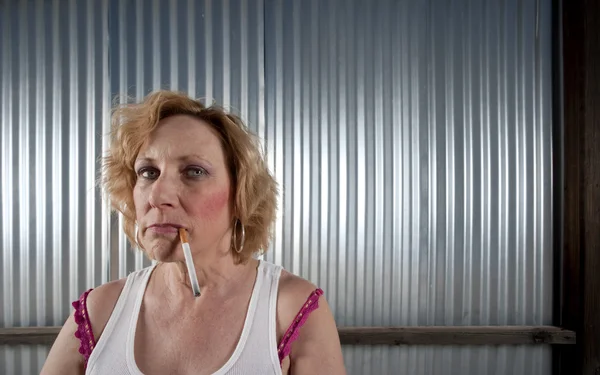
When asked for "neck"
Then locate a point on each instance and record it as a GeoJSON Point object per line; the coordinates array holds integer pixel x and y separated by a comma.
{"type": "Point", "coordinates": [217, 275]}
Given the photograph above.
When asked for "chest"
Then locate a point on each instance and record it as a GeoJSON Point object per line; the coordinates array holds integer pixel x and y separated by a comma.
{"type": "Point", "coordinates": [188, 341]}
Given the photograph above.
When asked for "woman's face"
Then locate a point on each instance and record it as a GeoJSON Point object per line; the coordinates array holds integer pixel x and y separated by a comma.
{"type": "Point", "coordinates": [182, 181]}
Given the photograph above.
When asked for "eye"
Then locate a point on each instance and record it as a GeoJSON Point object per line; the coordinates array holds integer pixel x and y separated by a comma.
{"type": "Point", "coordinates": [195, 172]}
{"type": "Point", "coordinates": [148, 173]}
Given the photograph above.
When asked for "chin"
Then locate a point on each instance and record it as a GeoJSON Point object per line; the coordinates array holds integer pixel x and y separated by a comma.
{"type": "Point", "coordinates": [162, 250]}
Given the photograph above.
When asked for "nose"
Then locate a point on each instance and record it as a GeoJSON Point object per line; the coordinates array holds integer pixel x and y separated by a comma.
{"type": "Point", "coordinates": [163, 192]}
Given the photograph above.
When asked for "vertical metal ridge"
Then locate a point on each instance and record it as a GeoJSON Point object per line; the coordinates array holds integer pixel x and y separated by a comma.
{"type": "Point", "coordinates": [105, 228]}
{"type": "Point", "coordinates": [304, 183]}
{"type": "Point", "coordinates": [278, 141]}
{"type": "Point", "coordinates": [4, 47]}
{"type": "Point", "coordinates": [57, 201]}
{"type": "Point", "coordinates": [413, 199]}
{"type": "Point", "coordinates": [7, 354]}
{"type": "Point", "coordinates": [350, 89]}
{"type": "Point", "coordinates": [342, 157]}
{"type": "Point", "coordinates": [364, 127]}
{"type": "Point", "coordinates": [90, 150]}
{"type": "Point", "coordinates": [316, 260]}
{"type": "Point", "coordinates": [42, 354]}
{"type": "Point", "coordinates": [388, 250]}
{"type": "Point", "coordinates": [468, 173]}
{"type": "Point", "coordinates": [267, 113]}
{"type": "Point", "coordinates": [74, 152]}
{"type": "Point", "coordinates": [537, 204]}
{"type": "Point", "coordinates": [260, 56]}
{"type": "Point", "coordinates": [545, 124]}
{"type": "Point", "coordinates": [140, 86]}
{"type": "Point", "coordinates": [244, 31]}
{"type": "Point", "coordinates": [139, 50]}
{"type": "Point", "coordinates": [450, 175]}
{"type": "Point", "coordinates": [287, 95]}
{"type": "Point", "coordinates": [121, 58]}
{"type": "Point", "coordinates": [349, 169]}
{"type": "Point", "coordinates": [397, 172]}
{"type": "Point", "coordinates": [7, 174]}
{"type": "Point", "coordinates": [226, 101]}
{"type": "Point", "coordinates": [295, 185]}
{"type": "Point", "coordinates": [520, 161]}
{"type": "Point", "coordinates": [504, 190]}
{"type": "Point", "coordinates": [327, 107]}
{"type": "Point", "coordinates": [379, 288]}
{"type": "Point", "coordinates": [173, 45]}
{"type": "Point", "coordinates": [41, 164]}
{"type": "Point", "coordinates": [156, 24]}
{"type": "Point", "coordinates": [360, 177]}
{"type": "Point", "coordinates": [545, 121]}
{"type": "Point", "coordinates": [404, 134]}
{"type": "Point", "coordinates": [23, 196]}
{"type": "Point", "coordinates": [208, 51]}
{"type": "Point", "coordinates": [486, 170]}
{"type": "Point", "coordinates": [304, 126]}
{"type": "Point", "coordinates": [432, 169]}
{"type": "Point", "coordinates": [502, 360]}
{"type": "Point", "coordinates": [191, 48]}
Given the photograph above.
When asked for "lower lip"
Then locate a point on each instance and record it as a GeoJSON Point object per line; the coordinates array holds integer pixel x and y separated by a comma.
{"type": "Point", "coordinates": [163, 230]}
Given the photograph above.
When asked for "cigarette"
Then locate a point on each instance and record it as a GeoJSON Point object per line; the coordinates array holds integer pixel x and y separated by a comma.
{"type": "Point", "coordinates": [189, 262]}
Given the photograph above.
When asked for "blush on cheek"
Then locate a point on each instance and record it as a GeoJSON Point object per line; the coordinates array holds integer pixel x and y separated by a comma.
{"type": "Point", "coordinates": [214, 204]}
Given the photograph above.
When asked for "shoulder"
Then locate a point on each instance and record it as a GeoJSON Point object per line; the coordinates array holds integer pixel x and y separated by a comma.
{"type": "Point", "coordinates": [65, 356]}
{"type": "Point", "coordinates": [293, 292]}
{"type": "Point", "coordinates": [317, 348]}
{"type": "Point", "coordinates": [101, 302]}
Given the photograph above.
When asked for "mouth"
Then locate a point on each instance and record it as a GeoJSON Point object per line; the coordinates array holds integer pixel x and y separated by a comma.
{"type": "Point", "coordinates": [165, 228]}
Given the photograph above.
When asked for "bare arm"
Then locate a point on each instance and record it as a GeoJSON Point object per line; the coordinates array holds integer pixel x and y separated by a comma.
{"type": "Point", "coordinates": [64, 357]}
{"type": "Point", "coordinates": [317, 349]}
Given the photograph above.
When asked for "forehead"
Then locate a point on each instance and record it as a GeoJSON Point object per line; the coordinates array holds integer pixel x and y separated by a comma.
{"type": "Point", "coordinates": [179, 135]}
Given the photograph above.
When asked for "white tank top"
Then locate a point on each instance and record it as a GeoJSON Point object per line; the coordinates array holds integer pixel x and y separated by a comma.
{"type": "Point", "coordinates": [255, 353]}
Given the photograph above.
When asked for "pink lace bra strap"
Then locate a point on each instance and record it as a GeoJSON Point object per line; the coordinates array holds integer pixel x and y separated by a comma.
{"type": "Point", "coordinates": [311, 304]}
{"type": "Point", "coordinates": [84, 327]}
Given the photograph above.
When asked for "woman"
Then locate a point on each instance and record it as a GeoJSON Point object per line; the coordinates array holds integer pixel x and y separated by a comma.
{"type": "Point", "coordinates": [172, 164]}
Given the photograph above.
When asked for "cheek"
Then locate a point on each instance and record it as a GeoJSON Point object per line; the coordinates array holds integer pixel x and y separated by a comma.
{"type": "Point", "coordinates": [215, 204]}
{"type": "Point", "coordinates": [138, 201]}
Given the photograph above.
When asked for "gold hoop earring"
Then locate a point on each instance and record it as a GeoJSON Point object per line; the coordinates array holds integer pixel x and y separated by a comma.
{"type": "Point", "coordinates": [235, 247]}
{"type": "Point", "coordinates": [137, 241]}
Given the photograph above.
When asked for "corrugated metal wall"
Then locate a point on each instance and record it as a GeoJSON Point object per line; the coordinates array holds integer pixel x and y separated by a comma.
{"type": "Point", "coordinates": [54, 100]}
{"type": "Point", "coordinates": [412, 140]}
{"type": "Point", "coordinates": [413, 143]}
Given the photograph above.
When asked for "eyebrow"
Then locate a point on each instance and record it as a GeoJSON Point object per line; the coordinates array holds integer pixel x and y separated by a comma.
{"type": "Point", "coordinates": [181, 158]}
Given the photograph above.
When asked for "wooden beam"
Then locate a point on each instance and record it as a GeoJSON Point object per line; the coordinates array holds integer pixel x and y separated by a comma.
{"type": "Point", "coordinates": [456, 335]}
{"type": "Point", "coordinates": [28, 335]}
{"type": "Point", "coordinates": [567, 165]}
{"type": "Point", "coordinates": [578, 184]}
{"type": "Point", "coordinates": [430, 335]}
{"type": "Point", "coordinates": [590, 193]}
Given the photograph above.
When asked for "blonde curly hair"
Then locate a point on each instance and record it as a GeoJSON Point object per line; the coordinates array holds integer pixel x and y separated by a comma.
{"type": "Point", "coordinates": [255, 189]}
